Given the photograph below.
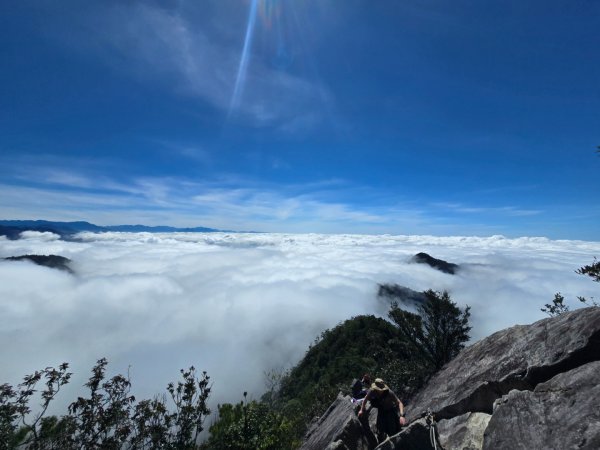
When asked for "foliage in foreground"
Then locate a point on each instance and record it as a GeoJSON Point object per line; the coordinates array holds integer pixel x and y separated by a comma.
{"type": "Point", "coordinates": [109, 418]}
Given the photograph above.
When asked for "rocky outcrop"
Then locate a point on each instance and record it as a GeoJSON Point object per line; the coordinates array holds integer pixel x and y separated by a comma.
{"type": "Point", "coordinates": [526, 387]}
{"type": "Point", "coordinates": [52, 261]}
{"type": "Point", "coordinates": [414, 437]}
{"type": "Point", "coordinates": [519, 358]}
{"type": "Point", "coordinates": [439, 264]}
{"type": "Point", "coordinates": [561, 413]}
{"type": "Point", "coordinates": [339, 428]}
{"type": "Point", "coordinates": [464, 432]}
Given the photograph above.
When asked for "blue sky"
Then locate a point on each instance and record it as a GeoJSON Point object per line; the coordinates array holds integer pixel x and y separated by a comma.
{"type": "Point", "coordinates": [411, 117]}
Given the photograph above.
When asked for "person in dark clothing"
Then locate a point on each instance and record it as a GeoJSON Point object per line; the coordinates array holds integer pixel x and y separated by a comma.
{"type": "Point", "coordinates": [390, 410]}
{"type": "Point", "coordinates": [360, 388]}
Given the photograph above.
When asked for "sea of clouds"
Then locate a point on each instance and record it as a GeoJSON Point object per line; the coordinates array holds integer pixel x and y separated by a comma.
{"type": "Point", "coordinates": [238, 305]}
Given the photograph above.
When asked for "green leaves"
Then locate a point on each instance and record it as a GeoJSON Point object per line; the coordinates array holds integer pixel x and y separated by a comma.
{"type": "Point", "coordinates": [189, 397]}
{"type": "Point", "coordinates": [108, 418]}
{"type": "Point", "coordinates": [252, 426]}
{"type": "Point", "coordinates": [439, 330]}
{"type": "Point", "coordinates": [557, 307]}
{"type": "Point", "coordinates": [15, 410]}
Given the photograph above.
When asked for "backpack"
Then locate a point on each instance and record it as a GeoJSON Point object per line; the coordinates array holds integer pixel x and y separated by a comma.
{"type": "Point", "coordinates": [356, 387]}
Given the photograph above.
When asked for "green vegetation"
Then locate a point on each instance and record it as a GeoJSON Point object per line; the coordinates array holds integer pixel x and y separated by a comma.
{"type": "Point", "coordinates": [438, 332]}
{"type": "Point", "coordinates": [250, 425]}
{"type": "Point", "coordinates": [557, 307]}
{"type": "Point", "coordinates": [592, 271]}
{"type": "Point", "coordinates": [109, 418]}
{"type": "Point", "coordinates": [358, 345]}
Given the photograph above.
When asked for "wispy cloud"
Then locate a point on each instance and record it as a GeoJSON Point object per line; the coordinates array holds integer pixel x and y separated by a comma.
{"type": "Point", "coordinates": [59, 191]}
{"type": "Point", "coordinates": [166, 46]}
{"type": "Point", "coordinates": [511, 211]}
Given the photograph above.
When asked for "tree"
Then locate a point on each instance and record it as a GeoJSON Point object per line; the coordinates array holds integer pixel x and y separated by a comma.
{"type": "Point", "coordinates": [103, 419]}
{"type": "Point", "coordinates": [592, 271]}
{"type": "Point", "coordinates": [190, 397]}
{"type": "Point", "coordinates": [15, 409]}
{"type": "Point", "coordinates": [557, 307]}
{"type": "Point", "coordinates": [438, 331]}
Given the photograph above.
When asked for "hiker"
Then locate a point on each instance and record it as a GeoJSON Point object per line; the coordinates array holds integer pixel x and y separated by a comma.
{"type": "Point", "coordinates": [390, 410]}
{"type": "Point", "coordinates": [360, 388]}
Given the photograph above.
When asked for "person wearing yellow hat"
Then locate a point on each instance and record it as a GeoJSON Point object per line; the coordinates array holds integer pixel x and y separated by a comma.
{"type": "Point", "coordinates": [390, 410]}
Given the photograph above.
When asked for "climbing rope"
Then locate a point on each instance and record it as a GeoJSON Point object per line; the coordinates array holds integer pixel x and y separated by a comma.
{"type": "Point", "coordinates": [433, 433]}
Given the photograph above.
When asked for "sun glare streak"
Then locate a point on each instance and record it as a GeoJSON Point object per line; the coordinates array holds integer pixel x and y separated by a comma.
{"type": "Point", "coordinates": [243, 67]}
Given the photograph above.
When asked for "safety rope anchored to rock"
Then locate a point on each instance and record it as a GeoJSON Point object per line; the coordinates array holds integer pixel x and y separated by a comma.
{"type": "Point", "coordinates": [434, 436]}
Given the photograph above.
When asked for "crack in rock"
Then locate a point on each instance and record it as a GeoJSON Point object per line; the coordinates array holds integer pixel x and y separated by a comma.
{"type": "Point", "coordinates": [518, 358]}
{"type": "Point", "coordinates": [556, 414]}
{"type": "Point", "coordinates": [483, 398]}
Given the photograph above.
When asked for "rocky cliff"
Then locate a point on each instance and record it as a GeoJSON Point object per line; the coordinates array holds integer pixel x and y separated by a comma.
{"type": "Point", "coordinates": [526, 387]}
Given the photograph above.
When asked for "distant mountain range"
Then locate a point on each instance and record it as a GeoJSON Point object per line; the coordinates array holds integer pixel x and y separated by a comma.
{"type": "Point", "coordinates": [12, 229]}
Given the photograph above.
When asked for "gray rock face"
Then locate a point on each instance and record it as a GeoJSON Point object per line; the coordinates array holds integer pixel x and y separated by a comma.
{"type": "Point", "coordinates": [526, 387]}
{"type": "Point", "coordinates": [414, 437]}
{"type": "Point", "coordinates": [519, 357]}
{"type": "Point", "coordinates": [339, 428]}
{"type": "Point", "coordinates": [464, 432]}
{"type": "Point", "coordinates": [563, 413]}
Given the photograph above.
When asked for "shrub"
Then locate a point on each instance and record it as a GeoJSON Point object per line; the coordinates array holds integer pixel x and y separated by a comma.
{"type": "Point", "coordinates": [109, 418]}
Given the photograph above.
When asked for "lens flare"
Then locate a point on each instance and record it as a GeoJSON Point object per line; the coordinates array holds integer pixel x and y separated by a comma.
{"type": "Point", "coordinates": [243, 67]}
{"type": "Point", "coordinates": [268, 10]}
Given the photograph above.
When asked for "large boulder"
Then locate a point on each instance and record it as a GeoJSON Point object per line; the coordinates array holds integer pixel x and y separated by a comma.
{"type": "Point", "coordinates": [562, 413]}
{"type": "Point", "coordinates": [519, 358]}
{"type": "Point", "coordinates": [414, 437]}
{"type": "Point", "coordinates": [339, 428]}
{"type": "Point", "coordinates": [464, 432]}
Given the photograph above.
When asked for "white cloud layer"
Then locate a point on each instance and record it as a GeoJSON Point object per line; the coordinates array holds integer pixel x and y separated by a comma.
{"type": "Point", "coordinates": [237, 305]}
